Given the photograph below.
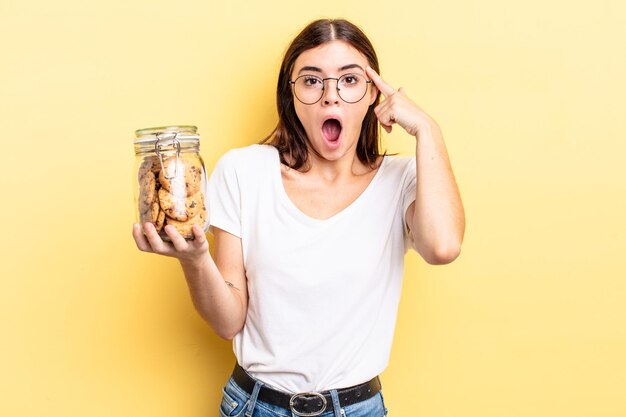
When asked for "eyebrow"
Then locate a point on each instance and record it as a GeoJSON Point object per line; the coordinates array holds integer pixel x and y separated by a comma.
{"type": "Point", "coordinates": [317, 69]}
{"type": "Point", "coordinates": [350, 66]}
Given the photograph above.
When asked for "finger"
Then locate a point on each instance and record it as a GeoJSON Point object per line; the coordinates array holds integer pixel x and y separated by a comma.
{"type": "Point", "coordinates": [177, 239]}
{"type": "Point", "coordinates": [156, 243]}
{"type": "Point", "coordinates": [387, 119]}
{"type": "Point", "coordinates": [384, 109]}
{"type": "Point", "coordinates": [385, 124]}
{"type": "Point", "coordinates": [198, 233]}
{"type": "Point", "coordinates": [140, 239]}
{"type": "Point", "coordinates": [385, 115]}
{"type": "Point", "coordinates": [384, 88]}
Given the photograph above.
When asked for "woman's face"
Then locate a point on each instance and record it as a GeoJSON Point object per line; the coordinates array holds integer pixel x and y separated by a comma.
{"type": "Point", "coordinates": [331, 124]}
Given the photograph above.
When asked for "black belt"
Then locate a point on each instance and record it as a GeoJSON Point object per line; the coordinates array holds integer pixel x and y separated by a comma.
{"type": "Point", "coordinates": [307, 403]}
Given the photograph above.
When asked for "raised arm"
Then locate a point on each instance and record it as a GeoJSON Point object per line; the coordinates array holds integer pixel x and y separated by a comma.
{"type": "Point", "coordinates": [436, 218]}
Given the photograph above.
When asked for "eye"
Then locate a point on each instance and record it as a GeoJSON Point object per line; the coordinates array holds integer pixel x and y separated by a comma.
{"type": "Point", "coordinates": [350, 80]}
{"type": "Point", "coordinates": [311, 81]}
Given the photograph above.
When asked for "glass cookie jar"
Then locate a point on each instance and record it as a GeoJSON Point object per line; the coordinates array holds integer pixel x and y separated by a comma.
{"type": "Point", "coordinates": [170, 181]}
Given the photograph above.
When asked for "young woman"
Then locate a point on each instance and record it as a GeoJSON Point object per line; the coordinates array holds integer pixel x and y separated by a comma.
{"type": "Point", "coordinates": [311, 229]}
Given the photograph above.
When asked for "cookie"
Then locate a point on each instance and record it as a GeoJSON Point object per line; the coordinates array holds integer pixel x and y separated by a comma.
{"type": "Point", "coordinates": [145, 217]}
{"type": "Point", "coordinates": [184, 228]}
{"type": "Point", "coordinates": [180, 208]}
{"type": "Point", "coordinates": [149, 164]}
{"type": "Point", "coordinates": [154, 211]}
{"type": "Point", "coordinates": [185, 174]}
{"type": "Point", "coordinates": [147, 191]}
{"type": "Point", "coordinates": [160, 221]}
{"type": "Point", "coordinates": [151, 214]}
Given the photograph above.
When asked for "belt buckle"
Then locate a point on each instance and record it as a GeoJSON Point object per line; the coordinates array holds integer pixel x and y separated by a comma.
{"type": "Point", "coordinates": [303, 413]}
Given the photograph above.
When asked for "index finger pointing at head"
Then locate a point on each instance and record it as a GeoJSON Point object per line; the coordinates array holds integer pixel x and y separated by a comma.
{"type": "Point", "coordinates": [384, 88]}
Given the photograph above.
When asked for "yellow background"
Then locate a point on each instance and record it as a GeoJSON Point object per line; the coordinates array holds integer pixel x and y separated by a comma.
{"type": "Point", "coordinates": [529, 321]}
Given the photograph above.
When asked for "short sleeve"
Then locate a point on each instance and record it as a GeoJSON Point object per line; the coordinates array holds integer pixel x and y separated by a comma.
{"type": "Point", "coordinates": [224, 194]}
{"type": "Point", "coordinates": [408, 186]}
{"type": "Point", "coordinates": [408, 196]}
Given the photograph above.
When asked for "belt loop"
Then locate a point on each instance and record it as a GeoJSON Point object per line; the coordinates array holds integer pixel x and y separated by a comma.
{"type": "Point", "coordinates": [336, 405]}
{"type": "Point", "coordinates": [255, 393]}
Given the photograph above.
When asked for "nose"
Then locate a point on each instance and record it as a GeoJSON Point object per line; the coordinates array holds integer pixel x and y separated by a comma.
{"type": "Point", "coordinates": [330, 93]}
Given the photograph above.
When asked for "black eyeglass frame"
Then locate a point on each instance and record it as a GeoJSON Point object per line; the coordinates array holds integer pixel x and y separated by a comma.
{"type": "Point", "coordinates": [293, 83]}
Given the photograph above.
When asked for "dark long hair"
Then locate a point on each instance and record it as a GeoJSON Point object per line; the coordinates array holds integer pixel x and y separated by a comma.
{"type": "Point", "coordinates": [289, 136]}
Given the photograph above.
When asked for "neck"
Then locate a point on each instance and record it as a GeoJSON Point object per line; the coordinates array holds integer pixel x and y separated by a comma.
{"type": "Point", "coordinates": [346, 166]}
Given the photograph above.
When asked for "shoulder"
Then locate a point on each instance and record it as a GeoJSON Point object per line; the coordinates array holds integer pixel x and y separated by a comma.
{"type": "Point", "coordinates": [245, 167]}
{"type": "Point", "coordinates": [248, 157]}
{"type": "Point", "coordinates": [249, 154]}
{"type": "Point", "coordinates": [397, 165]}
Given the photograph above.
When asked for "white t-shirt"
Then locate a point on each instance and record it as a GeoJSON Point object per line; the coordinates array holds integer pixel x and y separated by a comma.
{"type": "Point", "coordinates": [323, 294]}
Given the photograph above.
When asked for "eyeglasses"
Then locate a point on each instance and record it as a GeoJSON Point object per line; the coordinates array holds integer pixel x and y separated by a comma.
{"type": "Point", "coordinates": [309, 89]}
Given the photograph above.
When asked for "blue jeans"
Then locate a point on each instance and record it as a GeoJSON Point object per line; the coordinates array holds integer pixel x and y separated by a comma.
{"type": "Point", "coordinates": [238, 403]}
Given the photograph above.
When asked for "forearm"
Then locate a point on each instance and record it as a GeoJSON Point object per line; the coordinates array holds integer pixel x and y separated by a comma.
{"type": "Point", "coordinates": [213, 298]}
{"type": "Point", "coordinates": [439, 218]}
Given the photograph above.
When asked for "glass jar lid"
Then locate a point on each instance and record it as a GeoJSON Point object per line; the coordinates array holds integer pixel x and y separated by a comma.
{"type": "Point", "coordinates": [183, 137]}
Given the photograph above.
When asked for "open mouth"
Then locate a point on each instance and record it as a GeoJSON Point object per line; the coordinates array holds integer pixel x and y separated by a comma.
{"type": "Point", "coordinates": [331, 129]}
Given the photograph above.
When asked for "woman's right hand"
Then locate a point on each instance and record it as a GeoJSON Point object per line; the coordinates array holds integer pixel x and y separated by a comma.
{"type": "Point", "coordinates": [187, 251]}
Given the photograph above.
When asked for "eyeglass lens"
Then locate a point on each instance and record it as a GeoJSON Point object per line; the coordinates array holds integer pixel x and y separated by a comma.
{"type": "Point", "coordinates": [309, 89]}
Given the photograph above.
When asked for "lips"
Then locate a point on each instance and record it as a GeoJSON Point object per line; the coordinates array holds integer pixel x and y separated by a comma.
{"type": "Point", "coordinates": [331, 129]}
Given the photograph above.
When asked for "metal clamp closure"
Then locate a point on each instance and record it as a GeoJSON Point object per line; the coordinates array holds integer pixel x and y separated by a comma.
{"type": "Point", "coordinates": [292, 402]}
{"type": "Point", "coordinates": [167, 144]}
